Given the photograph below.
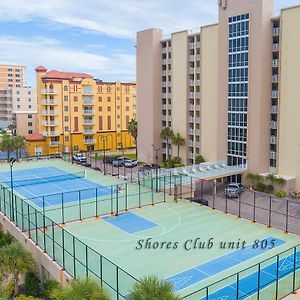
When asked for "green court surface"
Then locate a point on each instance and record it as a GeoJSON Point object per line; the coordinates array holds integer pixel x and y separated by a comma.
{"type": "Point", "coordinates": [177, 241]}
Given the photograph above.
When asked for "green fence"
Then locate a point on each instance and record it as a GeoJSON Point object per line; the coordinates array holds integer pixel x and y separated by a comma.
{"type": "Point", "coordinates": [74, 256]}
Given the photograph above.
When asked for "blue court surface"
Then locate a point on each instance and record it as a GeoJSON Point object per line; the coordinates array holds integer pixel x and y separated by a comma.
{"type": "Point", "coordinates": [50, 186]}
{"type": "Point", "coordinates": [248, 285]}
{"type": "Point", "coordinates": [130, 222]}
{"type": "Point", "coordinates": [220, 264]}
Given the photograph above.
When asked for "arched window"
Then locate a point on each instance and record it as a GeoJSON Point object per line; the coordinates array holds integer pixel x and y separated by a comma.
{"type": "Point", "coordinates": [65, 88]}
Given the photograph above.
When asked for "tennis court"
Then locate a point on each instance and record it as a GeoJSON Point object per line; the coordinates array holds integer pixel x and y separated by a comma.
{"type": "Point", "coordinates": [204, 253]}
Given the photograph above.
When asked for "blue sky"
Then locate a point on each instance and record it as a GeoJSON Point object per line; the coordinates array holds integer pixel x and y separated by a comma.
{"type": "Point", "coordinates": [92, 36]}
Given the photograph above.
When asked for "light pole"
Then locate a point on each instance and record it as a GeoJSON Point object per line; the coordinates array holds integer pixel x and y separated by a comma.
{"type": "Point", "coordinates": [11, 164]}
{"type": "Point", "coordinates": [156, 149]}
{"type": "Point", "coordinates": [104, 140]}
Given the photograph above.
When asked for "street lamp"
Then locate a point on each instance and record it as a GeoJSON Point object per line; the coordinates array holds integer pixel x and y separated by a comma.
{"type": "Point", "coordinates": [156, 149]}
{"type": "Point", "coordinates": [11, 164]}
{"type": "Point", "coordinates": [104, 140]}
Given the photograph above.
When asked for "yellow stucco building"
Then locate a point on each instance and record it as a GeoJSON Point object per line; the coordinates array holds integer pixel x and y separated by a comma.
{"type": "Point", "coordinates": [80, 113]}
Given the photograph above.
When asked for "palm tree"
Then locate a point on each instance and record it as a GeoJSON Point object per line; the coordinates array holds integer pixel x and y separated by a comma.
{"type": "Point", "coordinates": [6, 144]}
{"type": "Point", "coordinates": [16, 261]}
{"type": "Point", "coordinates": [167, 134]}
{"type": "Point", "coordinates": [80, 289]}
{"type": "Point", "coordinates": [133, 130]}
{"type": "Point", "coordinates": [178, 141]}
{"type": "Point", "coordinates": [18, 144]}
{"type": "Point", "coordinates": [271, 177]}
{"type": "Point", "coordinates": [151, 288]}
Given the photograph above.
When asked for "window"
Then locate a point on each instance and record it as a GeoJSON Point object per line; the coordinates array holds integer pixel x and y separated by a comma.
{"type": "Point", "coordinates": [75, 98]}
{"type": "Point", "coordinates": [100, 123]}
{"type": "Point", "coordinates": [29, 124]}
{"type": "Point", "coordinates": [66, 119]}
{"type": "Point", "coordinates": [9, 69]}
{"type": "Point", "coordinates": [65, 88]}
{"type": "Point", "coordinates": [66, 108]}
{"type": "Point", "coordinates": [66, 98]}
{"type": "Point", "coordinates": [127, 90]}
{"type": "Point", "coordinates": [29, 92]}
{"type": "Point", "coordinates": [127, 99]}
{"type": "Point", "coordinates": [29, 99]}
{"type": "Point", "coordinates": [18, 106]}
{"type": "Point", "coordinates": [30, 131]}
{"type": "Point", "coordinates": [66, 138]}
{"type": "Point", "coordinates": [75, 148]}
{"type": "Point", "coordinates": [100, 108]}
{"type": "Point", "coordinates": [75, 108]}
{"type": "Point", "coordinates": [18, 85]}
{"type": "Point", "coordinates": [108, 99]}
{"type": "Point", "coordinates": [108, 89]}
{"type": "Point", "coordinates": [108, 122]}
{"type": "Point", "coordinates": [118, 89]}
{"type": "Point", "coordinates": [18, 99]}
{"type": "Point", "coordinates": [108, 108]}
{"type": "Point", "coordinates": [9, 75]}
{"type": "Point", "coordinates": [100, 99]}
{"type": "Point", "coordinates": [66, 128]}
{"type": "Point", "coordinates": [118, 107]}
{"type": "Point", "coordinates": [10, 80]}
{"type": "Point", "coordinates": [100, 89]}
{"type": "Point", "coordinates": [118, 98]}
{"type": "Point", "coordinates": [30, 116]}
{"type": "Point", "coordinates": [118, 116]}
{"type": "Point", "coordinates": [29, 106]}
{"type": "Point", "coordinates": [127, 108]}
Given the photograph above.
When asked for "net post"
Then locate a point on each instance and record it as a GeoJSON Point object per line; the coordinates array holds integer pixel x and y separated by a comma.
{"type": "Point", "coordinates": [152, 192]}
{"type": "Point", "coordinates": [36, 227]}
{"type": "Point", "coordinates": [126, 196]}
{"type": "Point", "coordinates": [101, 269]}
{"type": "Point", "coordinates": [139, 196]}
{"type": "Point", "coordinates": [258, 282]}
{"type": "Point", "coordinates": [22, 212]}
{"type": "Point", "coordinates": [80, 208]}
{"type": "Point", "coordinates": [237, 284]}
{"type": "Point", "coordinates": [294, 268]}
{"type": "Point", "coordinates": [96, 204]}
{"type": "Point", "coordinates": [117, 202]}
{"type": "Point", "coordinates": [62, 209]}
{"type": "Point", "coordinates": [164, 188]}
{"type": "Point", "coordinates": [277, 275]}
{"type": "Point", "coordinates": [270, 211]}
{"type": "Point", "coordinates": [239, 216]}
{"type": "Point", "coordinates": [29, 229]}
{"type": "Point", "coordinates": [86, 261]}
{"type": "Point", "coordinates": [287, 217]}
{"type": "Point", "coordinates": [117, 279]}
{"type": "Point", "coordinates": [111, 200]}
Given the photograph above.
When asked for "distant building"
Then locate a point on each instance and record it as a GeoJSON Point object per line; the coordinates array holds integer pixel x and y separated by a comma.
{"type": "Point", "coordinates": [80, 113]}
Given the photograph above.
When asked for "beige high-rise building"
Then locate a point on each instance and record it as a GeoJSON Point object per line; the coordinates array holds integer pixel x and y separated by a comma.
{"type": "Point", "coordinates": [11, 76]}
{"type": "Point", "coordinates": [230, 89]}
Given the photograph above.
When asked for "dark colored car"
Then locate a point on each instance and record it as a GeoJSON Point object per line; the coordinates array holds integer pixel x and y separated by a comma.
{"type": "Point", "coordinates": [233, 190]}
{"type": "Point", "coordinates": [108, 159]}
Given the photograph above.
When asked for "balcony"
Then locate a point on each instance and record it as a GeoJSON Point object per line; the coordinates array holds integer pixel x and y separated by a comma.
{"type": "Point", "coordinates": [191, 82]}
{"type": "Point", "coordinates": [49, 91]}
{"type": "Point", "coordinates": [198, 57]}
{"type": "Point", "coordinates": [49, 102]}
{"type": "Point", "coordinates": [54, 143]}
{"type": "Point", "coordinates": [274, 94]}
{"type": "Point", "coordinates": [273, 139]}
{"type": "Point", "coordinates": [197, 131]}
{"type": "Point", "coordinates": [191, 156]}
{"type": "Point", "coordinates": [89, 141]}
{"type": "Point", "coordinates": [164, 84]}
{"type": "Point", "coordinates": [50, 133]}
{"type": "Point", "coordinates": [197, 120]}
{"type": "Point", "coordinates": [88, 102]}
{"type": "Point", "coordinates": [89, 131]}
{"type": "Point", "coordinates": [191, 131]}
{"type": "Point", "coordinates": [50, 123]}
{"type": "Point", "coordinates": [191, 143]}
{"type": "Point", "coordinates": [198, 45]}
{"type": "Point", "coordinates": [274, 109]}
{"type": "Point", "coordinates": [275, 47]}
{"type": "Point", "coordinates": [88, 112]}
{"type": "Point", "coordinates": [275, 63]}
{"type": "Point", "coordinates": [87, 90]}
{"type": "Point", "coordinates": [164, 106]}
{"type": "Point", "coordinates": [197, 95]}
{"type": "Point", "coordinates": [49, 113]}
{"type": "Point", "coordinates": [191, 120]}
{"type": "Point", "coordinates": [164, 72]}
{"type": "Point", "coordinates": [88, 121]}
{"type": "Point", "coordinates": [197, 82]}
{"type": "Point", "coordinates": [273, 125]}
{"type": "Point", "coordinates": [197, 144]}
{"type": "Point", "coordinates": [191, 107]}
{"type": "Point", "coordinates": [191, 45]}
{"type": "Point", "coordinates": [166, 118]}
{"type": "Point", "coordinates": [191, 70]}
{"type": "Point", "coordinates": [272, 154]}
{"type": "Point", "coordinates": [164, 95]}
{"type": "Point", "coordinates": [191, 94]}
{"type": "Point", "coordinates": [197, 107]}
{"type": "Point", "coordinates": [276, 31]}
{"type": "Point", "coordinates": [192, 57]}
{"type": "Point", "coordinates": [275, 78]}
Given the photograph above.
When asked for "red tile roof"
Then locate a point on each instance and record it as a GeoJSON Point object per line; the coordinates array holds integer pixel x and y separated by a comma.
{"type": "Point", "coordinates": [65, 75]}
{"type": "Point", "coordinates": [34, 137]}
{"type": "Point", "coordinates": [40, 69]}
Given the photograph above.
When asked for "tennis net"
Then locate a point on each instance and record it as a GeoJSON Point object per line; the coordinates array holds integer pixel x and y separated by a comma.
{"type": "Point", "coordinates": [40, 180]}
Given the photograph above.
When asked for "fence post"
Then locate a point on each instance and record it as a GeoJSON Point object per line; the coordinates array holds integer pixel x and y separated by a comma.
{"type": "Point", "coordinates": [96, 204]}
{"type": "Point", "coordinates": [126, 196]}
{"type": "Point", "coordinates": [254, 208]}
{"type": "Point", "coordinates": [117, 277]}
{"type": "Point", "coordinates": [258, 282]}
{"type": "Point", "coordinates": [44, 224]}
{"type": "Point", "coordinates": [16, 210]}
{"type": "Point", "coordinates": [237, 285]}
{"type": "Point", "coordinates": [191, 186]}
{"type": "Point", "coordinates": [226, 204]}
{"type": "Point", "coordinates": [62, 209]}
{"type": "Point", "coordinates": [170, 180]}
{"type": "Point", "coordinates": [29, 229]}
{"type": "Point", "coordinates": [86, 261]}
{"type": "Point", "coordinates": [152, 192]}
{"type": "Point", "coordinates": [53, 243]}
{"type": "Point", "coordinates": [22, 212]}
{"type": "Point", "coordinates": [180, 185]}
{"type": "Point", "coordinates": [117, 201]}
{"type": "Point", "coordinates": [164, 188]}
{"type": "Point", "coordinates": [207, 294]}
{"type": "Point", "coordinates": [36, 227]}
{"type": "Point", "coordinates": [111, 200]}
{"type": "Point", "coordinates": [294, 269]}
{"type": "Point", "coordinates": [63, 248]}
{"type": "Point", "coordinates": [139, 196]}
{"type": "Point", "coordinates": [239, 216]}
{"type": "Point", "coordinates": [277, 274]}
{"type": "Point", "coordinates": [287, 217]}
{"type": "Point", "coordinates": [74, 253]}
{"type": "Point", "coordinates": [270, 211]}
{"type": "Point", "coordinates": [101, 269]}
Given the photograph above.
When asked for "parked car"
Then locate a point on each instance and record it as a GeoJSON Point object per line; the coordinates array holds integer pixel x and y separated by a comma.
{"type": "Point", "coordinates": [79, 158]}
{"type": "Point", "coordinates": [145, 167]}
{"type": "Point", "coordinates": [233, 190]}
{"type": "Point", "coordinates": [130, 163]}
{"type": "Point", "coordinates": [119, 162]}
{"type": "Point", "coordinates": [108, 159]}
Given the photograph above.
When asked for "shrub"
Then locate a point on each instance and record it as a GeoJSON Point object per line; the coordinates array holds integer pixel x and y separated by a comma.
{"type": "Point", "coordinates": [177, 160]}
{"type": "Point", "coordinates": [32, 284]}
{"type": "Point", "coordinates": [23, 297]}
{"type": "Point", "coordinates": [199, 159]}
{"type": "Point", "coordinates": [247, 186]}
{"type": "Point", "coordinates": [5, 239]}
{"type": "Point", "coordinates": [269, 188]}
{"type": "Point", "coordinates": [47, 287]}
{"type": "Point", "coordinates": [281, 194]}
{"type": "Point", "coordinates": [9, 289]}
{"type": "Point", "coordinates": [261, 187]}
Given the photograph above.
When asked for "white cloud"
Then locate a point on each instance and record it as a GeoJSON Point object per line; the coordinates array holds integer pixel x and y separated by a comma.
{"type": "Point", "coordinates": [55, 55]}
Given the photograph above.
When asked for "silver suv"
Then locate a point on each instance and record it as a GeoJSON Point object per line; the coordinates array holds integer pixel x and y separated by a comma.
{"type": "Point", "coordinates": [233, 190]}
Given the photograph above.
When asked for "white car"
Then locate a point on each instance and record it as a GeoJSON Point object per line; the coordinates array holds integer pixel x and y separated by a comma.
{"type": "Point", "coordinates": [130, 163]}
{"type": "Point", "coordinates": [80, 157]}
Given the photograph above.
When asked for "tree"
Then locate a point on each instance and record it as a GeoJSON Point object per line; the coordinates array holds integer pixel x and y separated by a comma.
{"type": "Point", "coordinates": [167, 134]}
{"type": "Point", "coordinates": [133, 130]}
{"type": "Point", "coordinates": [199, 159]}
{"type": "Point", "coordinates": [151, 288]}
{"type": "Point", "coordinates": [16, 261]}
{"type": "Point", "coordinates": [178, 141]}
{"type": "Point", "coordinates": [80, 289]}
{"type": "Point", "coordinates": [6, 144]}
{"type": "Point", "coordinates": [18, 144]}
{"type": "Point", "coordinates": [271, 177]}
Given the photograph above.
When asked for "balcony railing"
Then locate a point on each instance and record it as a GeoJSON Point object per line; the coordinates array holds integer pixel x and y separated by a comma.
{"type": "Point", "coordinates": [191, 45]}
{"type": "Point", "coordinates": [276, 31]}
{"type": "Point", "coordinates": [197, 144]}
{"type": "Point", "coordinates": [274, 94]}
{"type": "Point", "coordinates": [191, 107]}
{"type": "Point", "coordinates": [197, 131]}
{"type": "Point", "coordinates": [88, 121]}
{"type": "Point", "coordinates": [197, 95]}
{"type": "Point", "coordinates": [191, 143]}
{"type": "Point", "coordinates": [274, 109]}
{"type": "Point", "coordinates": [273, 139]}
{"type": "Point", "coordinates": [49, 102]}
{"type": "Point", "coordinates": [191, 82]}
{"type": "Point", "coordinates": [89, 141]}
{"type": "Point", "coordinates": [191, 70]}
{"type": "Point", "coordinates": [272, 154]}
{"type": "Point", "coordinates": [50, 123]}
{"type": "Point", "coordinates": [54, 143]}
{"type": "Point", "coordinates": [273, 125]}
{"type": "Point", "coordinates": [49, 91]}
{"type": "Point", "coordinates": [191, 94]}
{"type": "Point", "coordinates": [192, 57]}
{"type": "Point", "coordinates": [198, 45]}
{"type": "Point", "coordinates": [164, 95]}
{"type": "Point", "coordinates": [275, 63]}
{"type": "Point", "coordinates": [275, 47]}
{"type": "Point", "coordinates": [191, 156]}
{"type": "Point", "coordinates": [275, 78]}
{"type": "Point", "coordinates": [89, 131]}
{"type": "Point", "coordinates": [191, 131]}
{"type": "Point", "coordinates": [88, 112]}
{"type": "Point", "coordinates": [49, 112]}
{"type": "Point", "coordinates": [50, 133]}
